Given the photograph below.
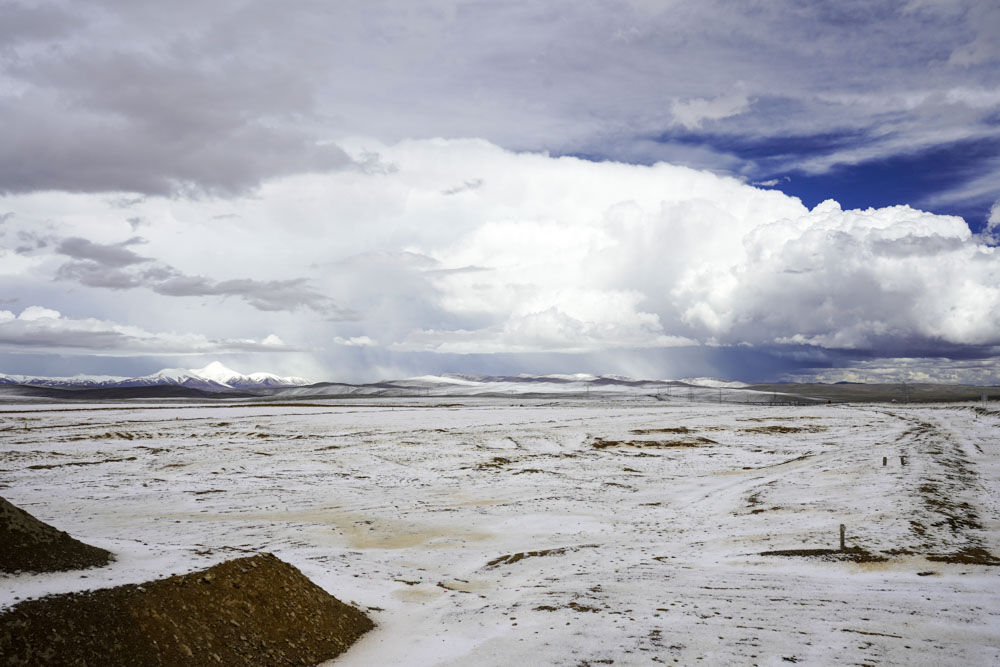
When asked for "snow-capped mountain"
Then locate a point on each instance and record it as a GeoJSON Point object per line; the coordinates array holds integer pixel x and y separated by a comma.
{"type": "Point", "coordinates": [714, 382]}
{"type": "Point", "coordinates": [216, 372]}
{"type": "Point", "coordinates": [213, 377]}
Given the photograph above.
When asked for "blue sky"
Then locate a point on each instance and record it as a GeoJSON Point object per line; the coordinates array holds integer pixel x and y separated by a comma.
{"type": "Point", "coordinates": [367, 190]}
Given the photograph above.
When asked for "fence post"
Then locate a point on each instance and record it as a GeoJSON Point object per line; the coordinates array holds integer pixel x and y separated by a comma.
{"type": "Point", "coordinates": [842, 537]}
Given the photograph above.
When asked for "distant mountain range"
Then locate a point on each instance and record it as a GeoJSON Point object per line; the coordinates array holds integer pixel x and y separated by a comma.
{"type": "Point", "coordinates": [214, 377]}
{"type": "Point", "coordinates": [455, 384]}
{"type": "Point", "coordinates": [216, 381]}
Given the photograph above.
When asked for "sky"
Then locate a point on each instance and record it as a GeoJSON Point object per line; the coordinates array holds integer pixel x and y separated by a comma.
{"type": "Point", "coordinates": [354, 191]}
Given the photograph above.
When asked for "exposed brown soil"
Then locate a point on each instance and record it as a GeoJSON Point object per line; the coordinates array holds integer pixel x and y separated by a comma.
{"type": "Point", "coordinates": [575, 606]}
{"type": "Point", "coordinates": [853, 554]}
{"type": "Point", "coordinates": [50, 466]}
{"type": "Point", "coordinates": [27, 544]}
{"type": "Point", "coordinates": [257, 610]}
{"type": "Point", "coordinates": [648, 431]}
{"type": "Point", "coordinates": [781, 428]}
{"type": "Point", "coordinates": [968, 556]}
{"type": "Point", "coordinates": [508, 559]}
{"type": "Point", "coordinates": [495, 462]}
{"type": "Point", "coordinates": [697, 441]}
{"type": "Point", "coordinates": [521, 555]}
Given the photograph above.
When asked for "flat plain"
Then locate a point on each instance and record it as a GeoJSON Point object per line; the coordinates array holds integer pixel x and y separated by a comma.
{"type": "Point", "coordinates": [500, 531]}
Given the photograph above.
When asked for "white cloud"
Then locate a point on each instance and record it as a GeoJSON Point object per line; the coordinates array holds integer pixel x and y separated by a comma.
{"type": "Point", "coordinates": [850, 279]}
{"type": "Point", "coordinates": [694, 112]}
{"type": "Point", "coordinates": [35, 313]}
{"type": "Point", "coordinates": [355, 341]}
{"type": "Point", "coordinates": [545, 254]}
{"type": "Point", "coordinates": [547, 331]}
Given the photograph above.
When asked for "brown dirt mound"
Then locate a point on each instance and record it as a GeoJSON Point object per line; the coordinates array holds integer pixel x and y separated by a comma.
{"type": "Point", "coordinates": [257, 610]}
{"type": "Point", "coordinates": [30, 545]}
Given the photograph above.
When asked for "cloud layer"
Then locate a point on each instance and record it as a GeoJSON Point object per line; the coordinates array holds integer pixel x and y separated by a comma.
{"type": "Point", "coordinates": [44, 331]}
{"type": "Point", "coordinates": [222, 97]}
{"type": "Point", "coordinates": [540, 255]}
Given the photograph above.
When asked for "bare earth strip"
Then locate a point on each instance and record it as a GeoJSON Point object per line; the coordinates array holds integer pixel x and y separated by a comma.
{"type": "Point", "coordinates": [501, 531]}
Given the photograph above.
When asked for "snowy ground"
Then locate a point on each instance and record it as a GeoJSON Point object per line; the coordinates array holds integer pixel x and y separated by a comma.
{"type": "Point", "coordinates": [497, 531]}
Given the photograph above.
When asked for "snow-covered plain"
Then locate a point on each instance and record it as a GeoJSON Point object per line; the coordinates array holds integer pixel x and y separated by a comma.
{"type": "Point", "coordinates": [496, 531]}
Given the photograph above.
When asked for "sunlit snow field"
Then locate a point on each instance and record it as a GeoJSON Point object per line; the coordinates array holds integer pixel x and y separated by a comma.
{"type": "Point", "coordinates": [507, 531]}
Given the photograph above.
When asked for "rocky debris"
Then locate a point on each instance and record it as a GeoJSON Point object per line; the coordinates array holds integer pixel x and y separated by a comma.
{"type": "Point", "coordinates": [257, 610]}
{"type": "Point", "coordinates": [27, 544]}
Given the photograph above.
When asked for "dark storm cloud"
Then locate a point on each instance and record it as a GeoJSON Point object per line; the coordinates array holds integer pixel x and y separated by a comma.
{"type": "Point", "coordinates": [29, 336]}
{"type": "Point", "coordinates": [31, 241]}
{"type": "Point", "coordinates": [107, 151]}
{"type": "Point", "coordinates": [19, 23]}
{"type": "Point", "coordinates": [157, 116]}
{"type": "Point", "coordinates": [100, 264]}
{"type": "Point", "coordinates": [174, 97]}
{"type": "Point", "coordinates": [116, 254]}
{"type": "Point", "coordinates": [115, 266]}
{"type": "Point", "coordinates": [93, 274]}
{"type": "Point", "coordinates": [266, 295]}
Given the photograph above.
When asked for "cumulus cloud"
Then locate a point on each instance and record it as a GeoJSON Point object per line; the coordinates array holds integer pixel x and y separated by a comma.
{"type": "Point", "coordinates": [32, 314]}
{"type": "Point", "coordinates": [547, 256]}
{"type": "Point", "coordinates": [38, 330]}
{"type": "Point", "coordinates": [850, 279]}
{"type": "Point", "coordinates": [663, 255]}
